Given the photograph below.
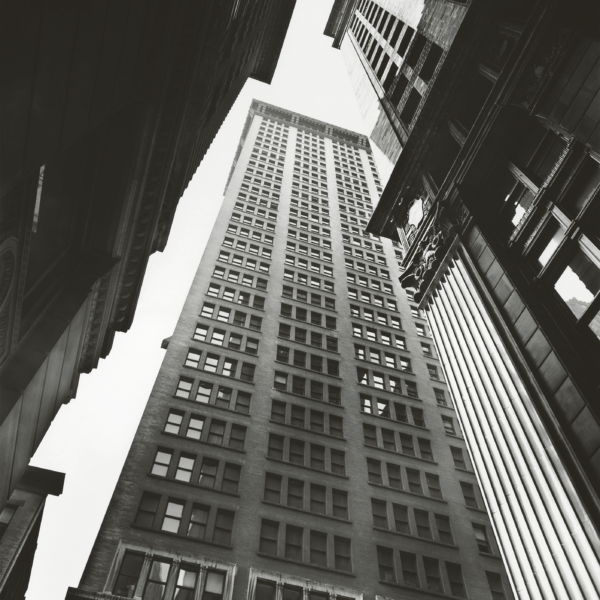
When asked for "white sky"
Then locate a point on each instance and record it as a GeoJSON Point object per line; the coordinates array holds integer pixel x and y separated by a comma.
{"type": "Point", "coordinates": [90, 437]}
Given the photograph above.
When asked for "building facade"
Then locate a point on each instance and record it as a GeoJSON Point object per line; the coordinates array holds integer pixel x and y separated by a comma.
{"type": "Point", "coordinates": [20, 522]}
{"type": "Point", "coordinates": [106, 111]}
{"type": "Point", "coordinates": [495, 201]}
{"type": "Point", "coordinates": [299, 441]}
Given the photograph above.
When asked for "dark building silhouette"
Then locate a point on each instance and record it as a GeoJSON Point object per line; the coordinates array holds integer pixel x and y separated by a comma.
{"type": "Point", "coordinates": [299, 441]}
{"type": "Point", "coordinates": [20, 521]}
{"type": "Point", "coordinates": [106, 110]}
{"type": "Point", "coordinates": [494, 203]}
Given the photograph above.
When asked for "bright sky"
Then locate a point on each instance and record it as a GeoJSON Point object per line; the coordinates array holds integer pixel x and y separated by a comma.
{"type": "Point", "coordinates": [90, 437]}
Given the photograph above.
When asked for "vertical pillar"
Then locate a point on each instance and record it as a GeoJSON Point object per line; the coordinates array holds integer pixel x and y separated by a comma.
{"type": "Point", "coordinates": [139, 589]}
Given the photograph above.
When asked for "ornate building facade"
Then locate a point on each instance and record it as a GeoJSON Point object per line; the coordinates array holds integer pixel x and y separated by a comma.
{"type": "Point", "coordinates": [299, 441]}
{"type": "Point", "coordinates": [495, 204]}
{"type": "Point", "coordinates": [106, 110]}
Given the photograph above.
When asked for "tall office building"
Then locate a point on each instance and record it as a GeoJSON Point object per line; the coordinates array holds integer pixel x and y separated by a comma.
{"type": "Point", "coordinates": [299, 441]}
{"type": "Point", "coordinates": [495, 200]}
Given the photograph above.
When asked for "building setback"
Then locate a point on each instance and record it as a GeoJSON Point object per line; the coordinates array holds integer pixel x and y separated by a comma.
{"type": "Point", "coordinates": [495, 201]}
{"type": "Point", "coordinates": [299, 441]}
{"type": "Point", "coordinates": [106, 110]}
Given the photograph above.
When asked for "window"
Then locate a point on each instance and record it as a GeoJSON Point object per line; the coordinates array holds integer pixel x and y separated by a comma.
{"type": "Point", "coordinates": [200, 333]}
{"type": "Point", "coordinates": [338, 462]}
{"type": "Point", "coordinates": [440, 397]}
{"type": "Point", "coordinates": [425, 449]}
{"type": "Point", "coordinates": [129, 573]}
{"type": "Point", "coordinates": [204, 392]}
{"type": "Point", "coordinates": [185, 467]}
{"type": "Point", "coordinates": [247, 373]}
{"type": "Point", "coordinates": [459, 459]}
{"type": "Point", "coordinates": [379, 513]}
{"type": "Point", "coordinates": [448, 425]}
{"type": "Point", "coordinates": [216, 432]}
{"type": "Point", "coordinates": [237, 437]}
{"type": "Point", "coordinates": [195, 426]}
{"type": "Point", "coordinates": [423, 526]}
{"type": "Point", "coordinates": [223, 527]}
{"type": "Point", "coordinates": [432, 574]}
{"type": "Point", "coordinates": [342, 554]}
{"type": "Point", "coordinates": [275, 448]}
{"type": "Point", "coordinates": [433, 484]}
{"type": "Point", "coordinates": [469, 494]}
{"type": "Point", "coordinates": [162, 461]}
{"type": "Point", "coordinates": [297, 452]}
{"type": "Point", "coordinates": [411, 389]}
{"type": "Point", "coordinates": [409, 569]}
{"type": "Point", "coordinates": [184, 387]}
{"type": "Point", "coordinates": [370, 434]}
{"type": "Point", "coordinates": [389, 440]}
{"type": "Point", "coordinates": [174, 421]}
{"type": "Point", "coordinates": [147, 510]}
{"type": "Point", "coordinates": [208, 472]}
{"type": "Point", "coordinates": [385, 559]}
{"type": "Point", "coordinates": [374, 471]}
{"type": "Point", "coordinates": [340, 504]}
{"type": "Point", "coordinates": [317, 498]}
{"type": "Point", "coordinates": [457, 586]}
{"type": "Point", "coordinates": [280, 381]}
{"type": "Point", "coordinates": [272, 488]}
{"type": "Point", "coordinates": [496, 587]}
{"type": "Point", "coordinates": [198, 521]}
{"type": "Point", "coordinates": [401, 522]}
{"type": "Point", "coordinates": [173, 514]}
{"type": "Point", "coordinates": [318, 548]}
{"type": "Point", "coordinates": [157, 579]}
{"type": "Point", "coordinates": [211, 362]}
{"type": "Point", "coordinates": [426, 349]}
{"type": "Point", "coordinates": [481, 537]}
{"type": "Point", "coordinates": [293, 542]}
{"type": "Point", "coordinates": [414, 481]}
{"type": "Point", "coordinates": [298, 416]}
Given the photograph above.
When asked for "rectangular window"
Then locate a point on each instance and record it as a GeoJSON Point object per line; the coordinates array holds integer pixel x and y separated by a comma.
{"type": "Point", "coordinates": [216, 432]}
{"type": "Point", "coordinates": [318, 548]}
{"type": "Point", "coordinates": [293, 542]}
{"type": "Point", "coordinates": [385, 559]}
{"type": "Point", "coordinates": [432, 574]}
{"type": "Point", "coordinates": [481, 537]}
{"type": "Point", "coordinates": [273, 488]}
{"type": "Point", "coordinates": [423, 526]}
{"type": "Point", "coordinates": [129, 573]}
{"type": "Point", "coordinates": [275, 448]}
{"type": "Point", "coordinates": [433, 484]}
{"type": "Point", "coordinates": [162, 460]}
{"type": "Point", "coordinates": [208, 472]}
{"type": "Point", "coordinates": [295, 493]}
{"type": "Point", "coordinates": [317, 457]}
{"type": "Point", "coordinates": [458, 457]}
{"type": "Point", "coordinates": [342, 552]}
{"type": "Point", "coordinates": [338, 462]}
{"type": "Point", "coordinates": [237, 438]}
{"type": "Point", "coordinates": [496, 587]}
{"type": "Point", "coordinates": [409, 569]}
{"type": "Point", "coordinates": [457, 585]}
{"type": "Point", "coordinates": [173, 514]}
{"type": "Point", "coordinates": [379, 510]}
{"type": "Point", "coordinates": [231, 478]}
{"type": "Point", "coordinates": [147, 510]}
{"type": "Point", "coordinates": [407, 444]}
{"type": "Point", "coordinates": [401, 518]}
{"type": "Point", "coordinates": [469, 494]}
{"type": "Point", "coordinates": [195, 426]}
{"type": "Point", "coordinates": [440, 397]}
{"type": "Point", "coordinates": [374, 471]}
{"type": "Point", "coordinates": [204, 392]}
{"type": "Point", "coordinates": [297, 452]}
{"type": "Point", "coordinates": [340, 504]}
{"type": "Point", "coordinates": [336, 426]}
{"type": "Point", "coordinates": [425, 449]}
{"type": "Point", "coordinates": [414, 481]}
{"type": "Point", "coordinates": [317, 498]}
{"type": "Point", "coordinates": [184, 387]}
{"type": "Point", "coordinates": [198, 521]}
{"type": "Point", "coordinates": [185, 467]}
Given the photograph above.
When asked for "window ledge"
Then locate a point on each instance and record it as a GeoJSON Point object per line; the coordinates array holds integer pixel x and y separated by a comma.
{"type": "Point", "coordinates": [229, 410]}
{"type": "Point", "coordinates": [192, 485]}
{"type": "Point", "coordinates": [308, 370]}
{"type": "Point", "coordinates": [378, 390]}
{"type": "Point", "coordinates": [306, 285]}
{"type": "Point", "coordinates": [306, 323]}
{"type": "Point", "coordinates": [307, 398]}
{"type": "Point", "coordinates": [414, 537]}
{"type": "Point", "coordinates": [333, 310]}
{"type": "Point", "coordinates": [373, 305]}
{"type": "Point", "coordinates": [377, 365]}
{"type": "Point", "coordinates": [308, 345]}
{"type": "Point", "coordinates": [309, 565]}
{"type": "Point", "coordinates": [215, 298]}
{"type": "Point", "coordinates": [396, 453]}
{"type": "Point", "coordinates": [232, 249]}
{"type": "Point", "coordinates": [387, 487]}
{"type": "Point", "coordinates": [464, 470]}
{"type": "Point", "coordinates": [368, 341]}
{"type": "Point", "coordinates": [228, 323]}
{"type": "Point", "coordinates": [455, 436]}
{"type": "Point", "coordinates": [307, 430]}
{"type": "Point", "coordinates": [390, 420]}
{"type": "Point", "coordinates": [488, 555]}
{"type": "Point", "coordinates": [183, 437]}
{"type": "Point", "coordinates": [181, 537]}
{"type": "Point", "coordinates": [479, 510]}
{"type": "Point", "coordinates": [418, 589]}
{"type": "Point", "coordinates": [234, 266]}
{"type": "Point", "coordinates": [285, 462]}
{"type": "Point", "coordinates": [308, 512]}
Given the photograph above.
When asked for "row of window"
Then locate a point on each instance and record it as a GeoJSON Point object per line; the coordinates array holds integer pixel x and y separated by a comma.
{"type": "Point", "coordinates": [313, 456]}
{"type": "Point", "coordinates": [262, 201]}
{"type": "Point", "coordinates": [305, 196]}
{"type": "Point", "coordinates": [370, 283]}
{"type": "Point", "coordinates": [368, 314]}
{"type": "Point", "coordinates": [310, 388]}
{"type": "Point", "coordinates": [355, 241]}
{"type": "Point", "coordinates": [315, 420]}
{"type": "Point", "coordinates": [310, 280]}
{"type": "Point", "coordinates": [184, 518]}
{"type": "Point", "coordinates": [184, 579]}
{"type": "Point", "coordinates": [310, 216]}
{"type": "Point", "coordinates": [234, 341]}
{"type": "Point", "coordinates": [312, 239]}
{"type": "Point", "coordinates": [370, 269]}
{"type": "Point", "coordinates": [267, 157]}
{"type": "Point", "coordinates": [355, 220]}
{"type": "Point", "coordinates": [214, 363]}
{"type": "Point", "coordinates": [267, 590]}
{"type": "Point", "coordinates": [241, 261]}
{"type": "Point", "coordinates": [403, 478]}
{"type": "Point", "coordinates": [317, 340]}
{"type": "Point", "coordinates": [395, 441]}
{"type": "Point", "coordinates": [301, 314]}
{"type": "Point", "coordinates": [305, 545]}
{"type": "Point", "coordinates": [349, 251]}
{"type": "Point", "coordinates": [312, 252]}
{"type": "Point", "coordinates": [254, 222]}
{"type": "Point", "coordinates": [354, 211]}
{"type": "Point", "coordinates": [255, 235]}
{"type": "Point", "coordinates": [309, 297]}
{"type": "Point", "coordinates": [220, 396]}
{"type": "Point", "coordinates": [295, 493]}
{"type": "Point", "coordinates": [194, 426]}
{"type": "Point", "coordinates": [382, 358]}
{"type": "Point", "coordinates": [225, 314]}
{"type": "Point", "coordinates": [314, 207]}
{"type": "Point", "coordinates": [365, 234]}
{"type": "Point", "coordinates": [237, 296]}
{"type": "Point", "coordinates": [414, 571]}
{"type": "Point", "coordinates": [411, 521]}
{"type": "Point", "coordinates": [302, 263]}
{"type": "Point", "coordinates": [314, 362]}
{"type": "Point", "coordinates": [189, 468]}
{"type": "Point", "coordinates": [254, 210]}
{"type": "Point", "coordinates": [392, 410]}
{"type": "Point", "coordinates": [373, 299]}
{"type": "Point", "coordinates": [377, 335]}
{"type": "Point", "coordinates": [243, 246]}
{"type": "Point", "coordinates": [303, 225]}
{"type": "Point", "coordinates": [241, 278]}
{"type": "Point", "coordinates": [383, 381]}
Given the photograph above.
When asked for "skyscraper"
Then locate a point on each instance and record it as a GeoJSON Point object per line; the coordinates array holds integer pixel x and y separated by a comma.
{"type": "Point", "coordinates": [299, 441]}
{"type": "Point", "coordinates": [495, 200]}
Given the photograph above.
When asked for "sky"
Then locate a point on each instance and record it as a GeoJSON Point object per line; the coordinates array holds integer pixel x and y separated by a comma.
{"type": "Point", "coordinates": [91, 435]}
